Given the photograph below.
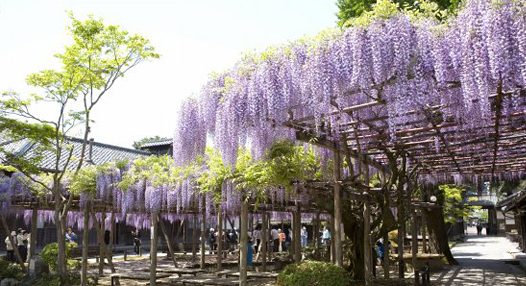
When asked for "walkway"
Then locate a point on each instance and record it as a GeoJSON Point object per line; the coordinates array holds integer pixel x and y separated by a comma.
{"type": "Point", "coordinates": [484, 261]}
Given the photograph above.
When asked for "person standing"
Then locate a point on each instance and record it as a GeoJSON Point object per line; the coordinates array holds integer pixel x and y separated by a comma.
{"type": "Point", "coordinates": [233, 239]}
{"type": "Point", "coordinates": [256, 234]}
{"type": "Point", "coordinates": [21, 243]}
{"type": "Point", "coordinates": [304, 236]}
{"type": "Point", "coordinates": [288, 240]}
{"type": "Point", "coordinates": [71, 237]}
{"type": "Point", "coordinates": [250, 254]}
{"type": "Point", "coordinates": [10, 247]}
{"type": "Point", "coordinates": [274, 233]}
{"type": "Point", "coordinates": [479, 228]}
{"type": "Point", "coordinates": [28, 245]}
{"type": "Point", "coordinates": [136, 241]}
{"type": "Point", "coordinates": [212, 240]}
{"type": "Point", "coordinates": [326, 236]}
{"type": "Point", "coordinates": [282, 239]}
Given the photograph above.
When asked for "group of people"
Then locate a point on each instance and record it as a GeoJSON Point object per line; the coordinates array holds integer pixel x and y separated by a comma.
{"type": "Point", "coordinates": [279, 240]}
{"type": "Point", "coordinates": [22, 241]}
{"type": "Point", "coordinates": [230, 239]}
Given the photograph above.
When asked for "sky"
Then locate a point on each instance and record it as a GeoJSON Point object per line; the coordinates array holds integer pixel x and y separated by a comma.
{"type": "Point", "coordinates": [194, 38]}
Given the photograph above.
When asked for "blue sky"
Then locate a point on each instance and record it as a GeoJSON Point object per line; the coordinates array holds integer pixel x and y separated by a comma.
{"type": "Point", "coordinates": [194, 38]}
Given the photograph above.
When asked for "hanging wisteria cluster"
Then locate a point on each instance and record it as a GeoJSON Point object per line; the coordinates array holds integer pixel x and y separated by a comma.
{"type": "Point", "coordinates": [405, 64]}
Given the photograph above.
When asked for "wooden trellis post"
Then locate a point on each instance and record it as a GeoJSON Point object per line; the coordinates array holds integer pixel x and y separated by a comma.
{"type": "Point", "coordinates": [387, 251]}
{"type": "Point", "coordinates": [401, 238]}
{"type": "Point", "coordinates": [219, 238]}
{"type": "Point", "coordinates": [34, 236]}
{"type": "Point", "coordinates": [100, 235]}
{"type": "Point", "coordinates": [194, 239]}
{"type": "Point", "coordinates": [316, 236]}
{"type": "Point", "coordinates": [424, 234]}
{"type": "Point", "coordinates": [153, 251]}
{"type": "Point", "coordinates": [112, 235]}
{"type": "Point", "coordinates": [168, 241]}
{"type": "Point", "coordinates": [85, 240]}
{"type": "Point", "coordinates": [243, 248]}
{"type": "Point", "coordinates": [368, 263]}
{"type": "Point", "coordinates": [337, 233]}
{"type": "Point", "coordinates": [264, 236]}
{"type": "Point", "coordinates": [203, 233]}
{"type": "Point", "coordinates": [414, 245]}
{"type": "Point", "coordinates": [102, 251]}
{"type": "Point", "coordinates": [296, 241]}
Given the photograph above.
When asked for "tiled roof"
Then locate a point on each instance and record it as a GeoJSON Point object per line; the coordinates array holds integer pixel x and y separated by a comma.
{"type": "Point", "coordinates": [158, 143]}
{"type": "Point", "coordinates": [101, 153]}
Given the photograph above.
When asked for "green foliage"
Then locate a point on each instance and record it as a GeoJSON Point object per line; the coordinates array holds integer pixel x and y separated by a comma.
{"type": "Point", "coordinates": [50, 253]}
{"type": "Point", "coordinates": [307, 273]}
{"type": "Point", "coordinates": [98, 56]}
{"type": "Point", "coordinates": [10, 270]}
{"type": "Point", "coordinates": [6, 168]}
{"type": "Point", "coordinates": [158, 169]}
{"type": "Point", "coordinates": [73, 278]}
{"type": "Point", "coordinates": [137, 144]}
{"type": "Point", "coordinates": [212, 177]}
{"type": "Point", "coordinates": [289, 162]}
{"type": "Point", "coordinates": [285, 164]}
{"type": "Point", "coordinates": [450, 197]}
{"type": "Point", "coordinates": [85, 181]}
{"type": "Point", "coordinates": [362, 12]}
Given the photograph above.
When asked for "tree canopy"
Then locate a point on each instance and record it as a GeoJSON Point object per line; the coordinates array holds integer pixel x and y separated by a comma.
{"type": "Point", "coordinates": [348, 9]}
{"type": "Point", "coordinates": [137, 144]}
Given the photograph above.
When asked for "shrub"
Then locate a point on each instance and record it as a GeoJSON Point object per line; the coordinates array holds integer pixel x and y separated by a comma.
{"type": "Point", "coordinates": [50, 253]}
{"type": "Point", "coordinates": [307, 273]}
{"type": "Point", "coordinates": [10, 270]}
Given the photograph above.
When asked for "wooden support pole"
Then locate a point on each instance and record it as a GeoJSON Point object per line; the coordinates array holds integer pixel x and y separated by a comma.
{"type": "Point", "coordinates": [386, 243]}
{"type": "Point", "coordinates": [203, 233]}
{"type": "Point", "coordinates": [401, 239]}
{"type": "Point", "coordinates": [332, 250]}
{"type": "Point", "coordinates": [337, 234]}
{"type": "Point", "coordinates": [112, 235]}
{"type": "Point", "coordinates": [194, 239]}
{"type": "Point", "coordinates": [424, 234]}
{"type": "Point", "coordinates": [387, 251]}
{"type": "Point", "coordinates": [414, 246]}
{"type": "Point", "coordinates": [264, 241]}
{"type": "Point", "coordinates": [296, 238]}
{"type": "Point", "coordinates": [84, 273]}
{"type": "Point", "coordinates": [368, 263]}
{"type": "Point", "coordinates": [243, 248]}
{"type": "Point", "coordinates": [153, 250]}
{"type": "Point", "coordinates": [102, 250]}
{"type": "Point", "coordinates": [219, 238]}
{"type": "Point", "coordinates": [34, 236]}
{"type": "Point", "coordinates": [168, 241]}
{"type": "Point", "coordinates": [316, 236]}
{"type": "Point", "coordinates": [185, 235]}
{"type": "Point", "coordinates": [100, 234]}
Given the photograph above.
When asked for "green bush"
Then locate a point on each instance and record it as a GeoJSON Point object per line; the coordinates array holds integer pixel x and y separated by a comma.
{"type": "Point", "coordinates": [10, 270]}
{"type": "Point", "coordinates": [50, 253]}
{"type": "Point", "coordinates": [53, 279]}
{"type": "Point", "coordinates": [307, 273]}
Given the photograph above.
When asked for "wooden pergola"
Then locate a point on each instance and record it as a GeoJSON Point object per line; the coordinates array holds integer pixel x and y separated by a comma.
{"type": "Point", "coordinates": [106, 206]}
{"type": "Point", "coordinates": [439, 145]}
